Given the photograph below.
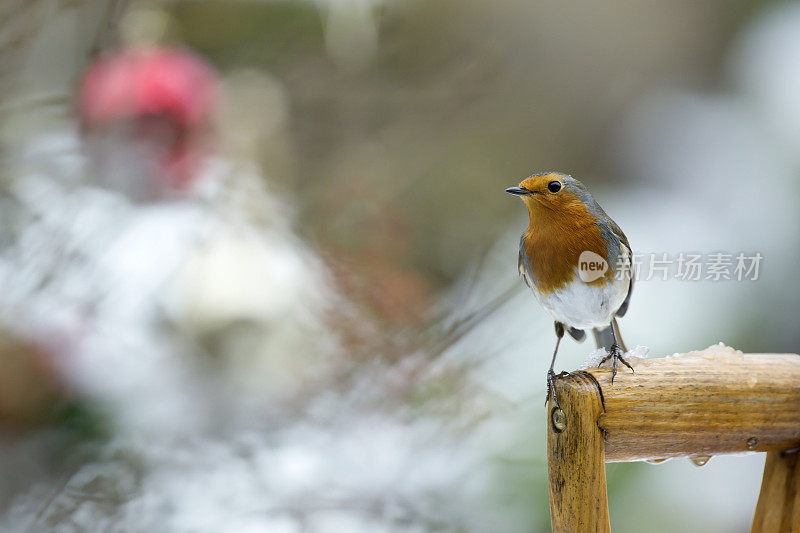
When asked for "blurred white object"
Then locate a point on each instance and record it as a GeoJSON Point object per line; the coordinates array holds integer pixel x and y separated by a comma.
{"type": "Point", "coordinates": [259, 291]}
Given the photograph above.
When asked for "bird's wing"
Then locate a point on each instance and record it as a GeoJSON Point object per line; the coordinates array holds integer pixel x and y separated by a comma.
{"type": "Point", "coordinates": [611, 231]}
{"type": "Point", "coordinates": [623, 242]}
{"type": "Point", "coordinates": [624, 307]}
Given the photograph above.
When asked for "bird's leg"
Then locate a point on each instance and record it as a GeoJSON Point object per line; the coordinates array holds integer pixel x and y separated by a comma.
{"type": "Point", "coordinates": [615, 354]}
{"type": "Point", "coordinates": [551, 376]}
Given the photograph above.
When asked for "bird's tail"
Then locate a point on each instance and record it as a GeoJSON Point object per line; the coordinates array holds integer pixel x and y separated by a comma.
{"type": "Point", "coordinates": [604, 337]}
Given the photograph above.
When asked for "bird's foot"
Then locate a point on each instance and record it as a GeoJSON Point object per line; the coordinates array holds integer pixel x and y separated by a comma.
{"type": "Point", "coordinates": [551, 386]}
{"type": "Point", "coordinates": [615, 354]}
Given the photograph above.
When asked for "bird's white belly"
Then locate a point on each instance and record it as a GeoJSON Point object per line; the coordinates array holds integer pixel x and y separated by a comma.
{"type": "Point", "coordinates": [580, 305]}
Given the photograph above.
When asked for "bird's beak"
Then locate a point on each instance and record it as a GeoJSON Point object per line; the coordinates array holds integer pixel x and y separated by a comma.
{"type": "Point", "coordinates": [519, 191]}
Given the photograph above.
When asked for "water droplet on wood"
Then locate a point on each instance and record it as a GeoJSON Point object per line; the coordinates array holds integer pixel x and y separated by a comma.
{"type": "Point", "coordinates": [699, 460]}
{"type": "Point", "coordinates": [559, 420]}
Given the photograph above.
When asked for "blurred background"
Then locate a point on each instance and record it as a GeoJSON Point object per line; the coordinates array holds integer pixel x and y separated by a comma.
{"type": "Point", "coordinates": [258, 271]}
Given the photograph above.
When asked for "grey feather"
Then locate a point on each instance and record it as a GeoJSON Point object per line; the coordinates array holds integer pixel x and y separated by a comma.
{"type": "Point", "coordinates": [577, 334]}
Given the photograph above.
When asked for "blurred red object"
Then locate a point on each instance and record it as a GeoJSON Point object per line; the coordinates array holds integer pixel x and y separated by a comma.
{"type": "Point", "coordinates": [159, 99]}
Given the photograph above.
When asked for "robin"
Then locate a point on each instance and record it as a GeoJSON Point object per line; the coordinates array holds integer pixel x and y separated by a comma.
{"type": "Point", "coordinates": [577, 261]}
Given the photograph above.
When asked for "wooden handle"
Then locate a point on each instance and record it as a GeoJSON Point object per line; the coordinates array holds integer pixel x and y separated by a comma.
{"type": "Point", "coordinates": [575, 462]}
{"type": "Point", "coordinates": [710, 402]}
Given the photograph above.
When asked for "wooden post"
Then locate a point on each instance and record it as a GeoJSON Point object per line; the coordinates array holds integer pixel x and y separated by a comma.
{"type": "Point", "coordinates": [704, 403]}
{"type": "Point", "coordinates": [575, 458]}
{"type": "Point", "coordinates": [778, 506]}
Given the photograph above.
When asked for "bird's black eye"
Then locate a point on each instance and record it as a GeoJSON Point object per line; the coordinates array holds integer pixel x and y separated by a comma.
{"type": "Point", "coordinates": [554, 186]}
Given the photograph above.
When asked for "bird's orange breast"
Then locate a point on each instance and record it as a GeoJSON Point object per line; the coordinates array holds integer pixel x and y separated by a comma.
{"type": "Point", "coordinates": [555, 239]}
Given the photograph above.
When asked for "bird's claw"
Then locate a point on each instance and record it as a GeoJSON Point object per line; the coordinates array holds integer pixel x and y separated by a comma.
{"type": "Point", "coordinates": [615, 354]}
{"type": "Point", "coordinates": [551, 386]}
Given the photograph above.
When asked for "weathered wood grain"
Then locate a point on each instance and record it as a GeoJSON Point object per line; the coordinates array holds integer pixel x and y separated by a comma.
{"type": "Point", "coordinates": [714, 401]}
{"type": "Point", "coordinates": [575, 459]}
